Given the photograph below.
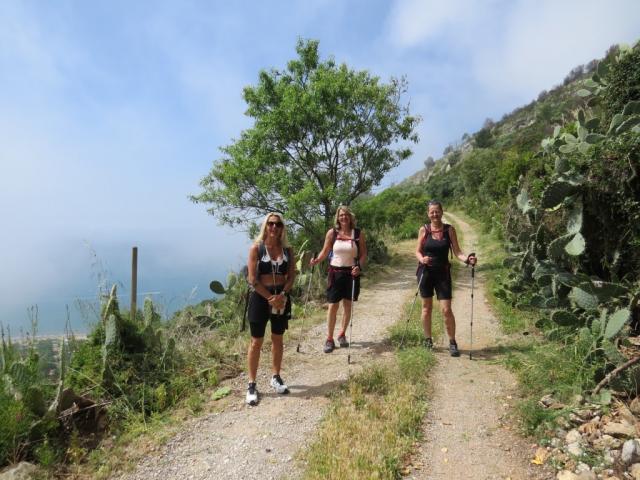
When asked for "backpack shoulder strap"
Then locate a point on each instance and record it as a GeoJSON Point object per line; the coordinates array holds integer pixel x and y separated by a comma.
{"type": "Point", "coordinates": [356, 240]}
{"type": "Point", "coordinates": [446, 229]}
{"type": "Point", "coordinates": [262, 250]}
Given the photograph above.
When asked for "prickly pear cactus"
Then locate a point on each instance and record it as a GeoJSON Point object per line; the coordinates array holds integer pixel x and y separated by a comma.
{"type": "Point", "coordinates": [151, 317]}
{"type": "Point", "coordinates": [565, 318]}
{"type": "Point", "coordinates": [576, 246]}
{"type": "Point", "coordinates": [615, 322]}
{"type": "Point", "coordinates": [583, 299]}
{"type": "Point", "coordinates": [556, 193]}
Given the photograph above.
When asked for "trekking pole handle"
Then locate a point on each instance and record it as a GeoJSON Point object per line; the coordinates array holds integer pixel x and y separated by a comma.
{"type": "Point", "coordinates": [468, 260]}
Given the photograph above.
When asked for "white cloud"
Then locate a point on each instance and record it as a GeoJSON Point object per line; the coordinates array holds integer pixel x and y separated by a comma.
{"type": "Point", "coordinates": [417, 23]}
{"type": "Point", "coordinates": [544, 40]}
{"type": "Point", "coordinates": [412, 22]}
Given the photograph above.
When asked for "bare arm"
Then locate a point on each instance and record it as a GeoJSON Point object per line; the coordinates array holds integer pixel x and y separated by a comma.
{"type": "Point", "coordinates": [328, 244]}
{"type": "Point", "coordinates": [252, 275]}
{"type": "Point", "coordinates": [455, 246]}
{"type": "Point", "coordinates": [362, 260]}
{"type": "Point", "coordinates": [421, 258]}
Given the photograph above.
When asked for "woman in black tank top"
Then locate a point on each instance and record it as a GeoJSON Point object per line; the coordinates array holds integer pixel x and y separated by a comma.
{"type": "Point", "coordinates": [271, 274]}
{"type": "Point", "coordinates": [435, 243]}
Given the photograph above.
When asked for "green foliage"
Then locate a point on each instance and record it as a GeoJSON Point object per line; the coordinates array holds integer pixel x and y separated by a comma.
{"type": "Point", "coordinates": [615, 323]}
{"type": "Point", "coordinates": [397, 210]}
{"type": "Point", "coordinates": [323, 135]}
{"type": "Point", "coordinates": [622, 82]}
{"type": "Point", "coordinates": [414, 361]}
{"type": "Point", "coordinates": [583, 261]}
{"type": "Point", "coordinates": [25, 393]}
{"type": "Point", "coordinates": [374, 379]}
{"type": "Point", "coordinates": [483, 138]}
{"type": "Point", "coordinates": [47, 454]}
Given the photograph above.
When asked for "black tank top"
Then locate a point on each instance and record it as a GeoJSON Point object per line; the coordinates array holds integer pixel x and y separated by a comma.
{"type": "Point", "coordinates": [438, 250]}
{"type": "Point", "coordinates": [266, 266]}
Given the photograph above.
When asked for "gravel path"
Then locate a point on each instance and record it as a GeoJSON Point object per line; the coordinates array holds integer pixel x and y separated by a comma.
{"type": "Point", "coordinates": [261, 442]}
{"type": "Point", "coordinates": [467, 434]}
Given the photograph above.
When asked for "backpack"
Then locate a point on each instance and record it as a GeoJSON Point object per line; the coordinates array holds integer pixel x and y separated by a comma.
{"type": "Point", "coordinates": [445, 229]}
{"type": "Point", "coordinates": [355, 239]}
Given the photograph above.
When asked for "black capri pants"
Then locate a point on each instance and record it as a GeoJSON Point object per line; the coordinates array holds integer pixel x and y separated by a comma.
{"type": "Point", "coordinates": [435, 278]}
{"type": "Point", "coordinates": [259, 313]}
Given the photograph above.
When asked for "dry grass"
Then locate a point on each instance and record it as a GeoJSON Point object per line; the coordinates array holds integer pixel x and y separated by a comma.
{"type": "Point", "coordinates": [373, 421]}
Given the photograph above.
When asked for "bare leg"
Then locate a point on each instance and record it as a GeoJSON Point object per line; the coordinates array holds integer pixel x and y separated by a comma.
{"type": "Point", "coordinates": [427, 308]}
{"type": "Point", "coordinates": [346, 313]}
{"type": "Point", "coordinates": [331, 318]}
{"type": "Point", "coordinates": [253, 357]}
{"type": "Point", "coordinates": [449, 319]}
{"type": "Point", "coordinates": [276, 353]}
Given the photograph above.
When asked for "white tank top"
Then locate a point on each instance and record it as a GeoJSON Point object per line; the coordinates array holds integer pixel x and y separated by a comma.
{"type": "Point", "coordinates": [344, 252]}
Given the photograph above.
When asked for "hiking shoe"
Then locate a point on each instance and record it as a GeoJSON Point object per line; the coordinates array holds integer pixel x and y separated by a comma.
{"type": "Point", "coordinates": [342, 341]}
{"type": "Point", "coordinates": [278, 385]}
{"type": "Point", "coordinates": [252, 394]}
{"type": "Point", "coordinates": [329, 346]}
{"type": "Point", "coordinates": [428, 343]}
{"type": "Point", "coordinates": [453, 349]}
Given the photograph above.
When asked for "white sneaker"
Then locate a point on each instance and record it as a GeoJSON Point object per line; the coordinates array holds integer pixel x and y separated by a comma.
{"type": "Point", "coordinates": [252, 394]}
{"type": "Point", "coordinates": [278, 385]}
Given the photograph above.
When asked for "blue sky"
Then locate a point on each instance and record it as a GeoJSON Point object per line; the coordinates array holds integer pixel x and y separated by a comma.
{"type": "Point", "coordinates": [112, 111]}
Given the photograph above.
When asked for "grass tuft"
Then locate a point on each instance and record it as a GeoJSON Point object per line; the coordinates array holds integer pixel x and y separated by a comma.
{"type": "Point", "coordinates": [375, 419]}
{"type": "Point", "coordinates": [372, 424]}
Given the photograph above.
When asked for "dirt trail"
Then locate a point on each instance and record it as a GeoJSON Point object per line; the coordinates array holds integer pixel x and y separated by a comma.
{"type": "Point", "coordinates": [261, 442]}
{"type": "Point", "coordinates": [467, 434]}
{"type": "Point", "coordinates": [469, 400]}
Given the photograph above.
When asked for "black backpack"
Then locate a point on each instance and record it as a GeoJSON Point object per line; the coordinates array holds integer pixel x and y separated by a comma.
{"type": "Point", "coordinates": [445, 231]}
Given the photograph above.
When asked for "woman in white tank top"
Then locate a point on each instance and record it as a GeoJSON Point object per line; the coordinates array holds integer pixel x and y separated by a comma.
{"type": "Point", "coordinates": [347, 249]}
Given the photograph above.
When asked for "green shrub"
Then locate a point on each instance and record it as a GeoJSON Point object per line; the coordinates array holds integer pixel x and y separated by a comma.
{"type": "Point", "coordinates": [624, 83]}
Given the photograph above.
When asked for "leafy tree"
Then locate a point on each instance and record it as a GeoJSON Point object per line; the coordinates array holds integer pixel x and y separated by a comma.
{"type": "Point", "coordinates": [323, 134]}
{"type": "Point", "coordinates": [483, 138]}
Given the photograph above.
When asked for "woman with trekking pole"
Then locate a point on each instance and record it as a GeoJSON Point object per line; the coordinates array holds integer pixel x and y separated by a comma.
{"type": "Point", "coordinates": [271, 274]}
{"type": "Point", "coordinates": [346, 248]}
{"type": "Point", "coordinates": [435, 241]}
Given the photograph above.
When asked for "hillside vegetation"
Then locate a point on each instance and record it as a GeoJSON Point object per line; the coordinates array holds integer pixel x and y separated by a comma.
{"type": "Point", "coordinates": [557, 182]}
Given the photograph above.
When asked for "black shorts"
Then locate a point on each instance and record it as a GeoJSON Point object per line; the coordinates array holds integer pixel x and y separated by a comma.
{"type": "Point", "coordinates": [341, 286]}
{"type": "Point", "coordinates": [259, 314]}
{"type": "Point", "coordinates": [435, 278]}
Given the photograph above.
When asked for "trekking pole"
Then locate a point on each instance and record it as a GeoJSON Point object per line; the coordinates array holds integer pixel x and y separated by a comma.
{"type": "Point", "coordinates": [353, 290]}
{"type": "Point", "coordinates": [246, 307]}
{"type": "Point", "coordinates": [406, 325]}
{"type": "Point", "coordinates": [304, 311]}
{"type": "Point", "coordinates": [473, 275]}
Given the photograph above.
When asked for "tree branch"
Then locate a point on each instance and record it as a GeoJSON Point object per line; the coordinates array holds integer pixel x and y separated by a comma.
{"type": "Point", "coordinates": [614, 373]}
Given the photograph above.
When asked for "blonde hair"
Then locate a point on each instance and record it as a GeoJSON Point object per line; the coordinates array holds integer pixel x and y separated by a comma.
{"type": "Point", "coordinates": [263, 230]}
{"type": "Point", "coordinates": [352, 217]}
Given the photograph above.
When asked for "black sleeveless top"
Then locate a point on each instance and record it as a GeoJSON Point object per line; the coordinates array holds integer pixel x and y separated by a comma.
{"type": "Point", "coordinates": [438, 250]}
{"type": "Point", "coordinates": [266, 266]}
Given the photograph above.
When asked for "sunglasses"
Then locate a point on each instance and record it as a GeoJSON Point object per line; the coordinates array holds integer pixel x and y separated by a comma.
{"type": "Point", "coordinates": [275, 224]}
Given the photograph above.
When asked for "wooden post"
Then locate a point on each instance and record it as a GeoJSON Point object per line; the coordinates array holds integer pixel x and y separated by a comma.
{"type": "Point", "coordinates": [134, 283]}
